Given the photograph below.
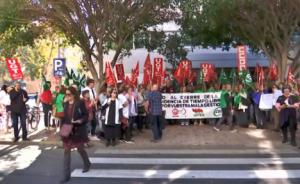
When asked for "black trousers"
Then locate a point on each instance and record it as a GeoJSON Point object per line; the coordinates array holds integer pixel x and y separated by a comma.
{"type": "Point", "coordinates": [292, 127]}
{"type": "Point", "coordinates": [46, 109]}
{"type": "Point", "coordinates": [93, 125]}
{"type": "Point", "coordinates": [126, 132]}
{"type": "Point", "coordinates": [141, 122]}
{"type": "Point", "coordinates": [67, 160]}
{"type": "Point", "coordinates": [15, 118]}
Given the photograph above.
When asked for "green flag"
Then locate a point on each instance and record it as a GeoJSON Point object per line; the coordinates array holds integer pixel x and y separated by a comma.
{"type": "Point", "coordinates": [223, 77]}
{"type": "Point", "coordinates": [246, 78]}
{"type": "Point", "coordinates": [232, 77]}
{"type": "Point", "coordinates": [201, 77]}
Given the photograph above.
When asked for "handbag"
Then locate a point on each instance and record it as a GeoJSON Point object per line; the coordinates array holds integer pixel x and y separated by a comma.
{"type": "Point", "coordinates": [66, 129]}
{"type": "Point", "coordinates": [59, 114]}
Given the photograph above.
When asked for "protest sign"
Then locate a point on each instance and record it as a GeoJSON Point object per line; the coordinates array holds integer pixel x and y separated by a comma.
{"type": "Point", "coordinates": [192, 105]}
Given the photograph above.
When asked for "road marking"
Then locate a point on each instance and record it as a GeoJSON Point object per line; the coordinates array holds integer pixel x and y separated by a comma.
{"type": "Point", "coordinates": [195, 161]}
{"type": "Point", "coordinates": [188, 174]}
{"type": "Point", "coordinates": [196, 152]}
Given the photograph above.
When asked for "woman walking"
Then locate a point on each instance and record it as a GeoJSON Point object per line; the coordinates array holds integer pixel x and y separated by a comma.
{"type": "Point", "coordinates": [75, 116]}
{"type": "Point", "coordinates": [113, 115]}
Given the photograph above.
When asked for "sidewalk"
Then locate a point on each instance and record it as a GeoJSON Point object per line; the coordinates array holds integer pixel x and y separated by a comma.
{"type": "Point", "coordinates": [177, 137]}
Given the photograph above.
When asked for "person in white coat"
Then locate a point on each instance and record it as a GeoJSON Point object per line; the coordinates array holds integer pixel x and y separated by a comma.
{"type": "Point", "coordinates": [113, 115]}
{"type": "Point", "coordinates": [4, 105]}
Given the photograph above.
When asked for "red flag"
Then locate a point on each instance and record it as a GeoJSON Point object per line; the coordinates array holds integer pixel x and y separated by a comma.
{"type": "Point", "coordinates": [178, 74]}
{"type": "Point", "coordinates": [242, 58]}
{"type": "Point", "coordinates": [127, 81]}
{"type": "Point", "coordinates": [163, 77]}
{"type": "Point", "coordinates": [110, 77]}
{"type": "Point", "coordinates": [193, 77]}
{"type": "Point", "coordinates": [120, 72]}
{"type": "Point", "coordinates": [187, 68]}
{"type": "Point", "coordinates": [261, 76]}
{"type": "Point", "coordinates": [208, 72]}
{"type": "Point", "coordinates": [257, 70]}
{"type": "Point", "coordinates": [147, 71]}
{"type": "Point", "coordinates": [290, 77]}
{"type": "Point", "coordinates": [158, 70]}
{"type": "Point", "coordinates": [14, 68]}
{"type": "Point", "coordinates": [273, 72]}
{"type": "Point", "coordinates": [136, 71]}
{"type": "Point", "coordinates": [135, 74]}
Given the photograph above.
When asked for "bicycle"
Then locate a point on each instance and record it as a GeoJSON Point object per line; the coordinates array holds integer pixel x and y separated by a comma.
{"type": "Point", "coordinates": [33, 117]}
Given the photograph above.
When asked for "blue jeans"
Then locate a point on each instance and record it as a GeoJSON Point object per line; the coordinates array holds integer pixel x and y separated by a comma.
{"type": "Point", "coordinates": [259, 117]}
{"type": "Point", "coordinates": [15, 118]}
{"type": "Point", "coordinates": [157, 126]}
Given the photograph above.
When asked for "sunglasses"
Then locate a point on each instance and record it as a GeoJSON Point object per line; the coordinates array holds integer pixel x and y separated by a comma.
{"type": "Point", "coordinates": [114, 92]}
{"type": "Point", "coordinates": [68, 94]}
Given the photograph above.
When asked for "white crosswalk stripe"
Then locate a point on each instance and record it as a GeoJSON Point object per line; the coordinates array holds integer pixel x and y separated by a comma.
{"type": "Point", "coordinates": [195, 161]}
{"type": "Point", "coordinates": [190, 174]}
{"type": "Point", "coordinates": [108, 165]}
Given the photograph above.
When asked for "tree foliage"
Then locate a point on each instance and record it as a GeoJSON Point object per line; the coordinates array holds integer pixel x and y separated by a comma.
{"type": "Point", "coordinates": [266, 25]}
{"type": "Point", "coordinates": [97, 26]}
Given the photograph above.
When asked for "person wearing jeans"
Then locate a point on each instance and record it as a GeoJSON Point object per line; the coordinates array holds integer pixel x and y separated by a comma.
{"type": "Point", "coordinates": [18, 98]}
{"type": "Point", "coordinates": [154, 107]}
{"type": "Point", "coordinates": [259, 114]}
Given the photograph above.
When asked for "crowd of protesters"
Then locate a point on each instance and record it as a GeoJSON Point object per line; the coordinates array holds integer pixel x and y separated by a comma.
{"type": "Point", "coordinates": [117, 113]}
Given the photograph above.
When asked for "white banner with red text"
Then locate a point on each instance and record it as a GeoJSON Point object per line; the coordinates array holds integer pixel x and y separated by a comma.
{"type": "Point", "coordinates": [192, 105]}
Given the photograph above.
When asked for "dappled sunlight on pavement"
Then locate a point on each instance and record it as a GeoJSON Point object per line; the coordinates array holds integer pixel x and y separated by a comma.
{"type": "Point", "coordinates": [18, 158]}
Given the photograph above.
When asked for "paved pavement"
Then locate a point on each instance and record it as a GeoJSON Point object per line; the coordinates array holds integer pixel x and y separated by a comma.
{"type": "Point", "coordinates": [43, 165]}
{"type": "Point", "coordinates": [193, 154]}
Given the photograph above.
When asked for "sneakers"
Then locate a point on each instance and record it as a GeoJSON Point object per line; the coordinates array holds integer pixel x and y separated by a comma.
{"type": "Point", "coordinates": [233, 131]}
{"type": "Point", "coordinates": [93, 138]}
{"type": "Point", "coordinates": [16, 139]}
{"type": "Point", "coordinates": [129, 142]}
{"type": "Point", "coordinates": [26, 139]}
{"type": "Point", "coordinates": [217, 129]}
{"type": "Point", "coordinates": [154, 140]}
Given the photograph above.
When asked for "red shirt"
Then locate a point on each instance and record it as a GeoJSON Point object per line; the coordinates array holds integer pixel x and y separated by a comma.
{"type": "Point", "coordinates": [46, 97]}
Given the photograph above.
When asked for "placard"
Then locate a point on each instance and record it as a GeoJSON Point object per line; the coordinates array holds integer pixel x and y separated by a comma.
{"type": "Point", "coordinates": [192, 105]}
{"type": "Point", "coordinates": [266, 101]}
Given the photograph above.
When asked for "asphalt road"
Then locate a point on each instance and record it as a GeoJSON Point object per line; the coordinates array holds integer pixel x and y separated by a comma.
{"type": "Point", "coordinates": [22, 164]}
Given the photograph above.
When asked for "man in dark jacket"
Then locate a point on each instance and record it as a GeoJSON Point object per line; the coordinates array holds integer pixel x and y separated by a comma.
{"type": "Point", "coordinates": [18, 99]}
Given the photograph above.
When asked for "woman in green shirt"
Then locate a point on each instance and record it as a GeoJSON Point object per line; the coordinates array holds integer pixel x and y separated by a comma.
{"type": "Point", "coordinates": [59, 105]}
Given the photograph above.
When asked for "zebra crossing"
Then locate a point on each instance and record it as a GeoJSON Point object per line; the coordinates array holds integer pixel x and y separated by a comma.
{"type": "Point", "coordinates": [187, 166]}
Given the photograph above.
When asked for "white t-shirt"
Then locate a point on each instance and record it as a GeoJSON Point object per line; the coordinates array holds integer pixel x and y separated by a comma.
{"type": "Point", "coordinates": [277, 93]}
{"type": "Point", "coordinates": [4, 98]}
{"type": "Point", "coordinates": [132, 104]}
{"type": "Point", "coordinates": [124, 99]}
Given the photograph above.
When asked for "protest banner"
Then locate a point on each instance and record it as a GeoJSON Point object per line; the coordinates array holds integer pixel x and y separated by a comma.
{"type": "Point", "coordinates": [14, 68]}
{"type": "Point", "coordinates": [266, 101]}
{"type": "Point", "coordinates": [120, 72]}
{"type": "Point", "coordinates": [192, 105]}
{"type": "Point", "coordinates": [242, 58]}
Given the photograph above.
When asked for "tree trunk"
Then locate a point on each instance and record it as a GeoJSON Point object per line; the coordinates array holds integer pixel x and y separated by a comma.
{"type": "Point", "coordinates": [283, 66]}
